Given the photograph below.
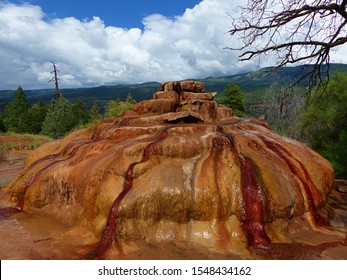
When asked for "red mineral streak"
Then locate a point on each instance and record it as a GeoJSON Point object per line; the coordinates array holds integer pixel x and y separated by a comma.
{"type": "Point", "coordinates": [9, 211]}
{"type": "Point", "coordinates": [194, 181]}
{"type": "Point", "coordinates": [253, 204]}
{"type": "Point", "coordinates": [33, 178]}
{"type": "Point", "coordinates": [290, 251]}
{"type": "Point", "coordinates": [309, 189]}
{"type": "Point", "coordinates": [125, 121]}
{"type": "Point", "coordinates": [223, 236]}
{"type": "Point", "coordinates": [48, 157]}
{"type": "Point", "coordinates": [110, 231]}
{"type": "Point", "coordinates": [3, 195]}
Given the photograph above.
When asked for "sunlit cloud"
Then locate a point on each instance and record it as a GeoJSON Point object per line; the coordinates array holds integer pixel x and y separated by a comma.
{"type": "Point", "coordinates": [89, 53]}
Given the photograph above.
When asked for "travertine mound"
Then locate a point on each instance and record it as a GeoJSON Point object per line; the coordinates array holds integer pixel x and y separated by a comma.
{"type": "Point", "coordinates": [181, 167]}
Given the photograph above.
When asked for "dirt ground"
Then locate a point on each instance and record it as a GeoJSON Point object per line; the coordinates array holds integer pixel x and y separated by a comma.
{"type": "Point", "coordinates": [18, 148]}
{"type": "Point", "coordinates": [12, 166]}
{"type": "Point", "coordinates": [38, 236]}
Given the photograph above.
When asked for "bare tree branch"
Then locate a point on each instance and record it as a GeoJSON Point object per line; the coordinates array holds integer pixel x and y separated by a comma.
{"type": "Point", "coordinates": [297, 31]}
{"type": "Point", "coordinates": [55, 79]}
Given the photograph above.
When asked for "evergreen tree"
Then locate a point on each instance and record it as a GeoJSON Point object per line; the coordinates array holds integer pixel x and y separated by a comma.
{"type": "Point", "coordinates": [36, 116]}
{"type": "Point", "coordinates": [234, 99]}
{"type": "Point", "coordinates": [81, 113]}
{"type": "Point", "coordinates": [130, 99]}
{"type": "Point", "coordinates": [95, 112]}
{"type": "Point", "coordinates": [59, 119]}
{"type": "Point", "coordinates": [16, 119]}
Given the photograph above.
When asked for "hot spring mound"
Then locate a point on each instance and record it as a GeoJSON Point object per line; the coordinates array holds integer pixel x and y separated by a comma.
{"type": "Point", "coordinates": [177, 167]}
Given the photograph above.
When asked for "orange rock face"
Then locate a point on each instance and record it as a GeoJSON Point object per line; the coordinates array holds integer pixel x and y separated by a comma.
{"type": "Point", "coordinates": [177, 167]}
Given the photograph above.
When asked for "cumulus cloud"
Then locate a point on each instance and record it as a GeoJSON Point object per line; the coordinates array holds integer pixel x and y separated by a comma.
{"type": "Point", "coordinates": [88, 53]}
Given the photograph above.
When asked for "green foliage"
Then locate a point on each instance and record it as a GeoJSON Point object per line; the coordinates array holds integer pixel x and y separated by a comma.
{"type": "Point", "coordinates": [93, 118]}
{"type": "Point", "coordinates": [60, 118]}
{"type": "Point", "coordinates": [81, 112]}
{"type": "Point", "coordinates": [16, 118]}
{"type": "Point", "coordinates": [56, 119]}
{"type": "Point", "coordinates": [36, 117]}
{"type": "Point", "coordinates": [20, 141]}
{"type": "Point", "coordinates": [20, 117]}
{"type": "Point", "coordinates": [3, 151]}
{"type": "Point", "coordinates": [115, 108]}
{"type": "Point", "coordinates": [234, 99]}
{"type": "Point", "coordinates": [336, 152]}
{"type": "Point", "coordinates": [2, 124]}
{"type": "Point", "coordinates": [94, 112]}
{"type": "Point", "coordinates": [130, 99]}
{"type": "Point", "coordinates": [325, 123]}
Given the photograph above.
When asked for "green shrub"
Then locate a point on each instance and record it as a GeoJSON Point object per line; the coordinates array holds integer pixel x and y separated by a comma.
{"type": "Point", "coordinates": [324, 124]}
{"type": "Point", "coordinates": [115, 108]}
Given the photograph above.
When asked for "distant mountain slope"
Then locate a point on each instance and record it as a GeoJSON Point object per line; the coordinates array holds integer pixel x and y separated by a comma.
{"type": "Point", "coordinates": [263, 78]}
{"type": "Point", "coordinates": [101, 95]}
{"type": "Point", "coordinates": [251, 83]}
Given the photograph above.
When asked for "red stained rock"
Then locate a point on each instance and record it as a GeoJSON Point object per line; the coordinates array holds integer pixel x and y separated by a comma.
{"type": "Point", "coordinates": [192, 86]}
{"type": "Point", "coordinates": [170, 86]}
{"type": "Point", "coordinates": [166, 95]}
{"type": "Point", "coordinates": [155, 106]}
{"type": "Point", "coordinates": [177, 169]}
{"type": "Point", "coordinates": [192, 96]}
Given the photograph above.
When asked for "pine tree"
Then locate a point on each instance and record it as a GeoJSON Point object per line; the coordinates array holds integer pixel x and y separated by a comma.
{"type": "Point", "coordinates": [81, 112]}
{"type": "Point", "coordinates": [130, 99]}
{"type": "Point", "coordinates": [16, 119]}
{"type": "Point", "coordinates": [59, 119]}
{"type": "Point", "coordinates": [36, 117]}
{"type": "Point", "coordinates": [95, 112]}
{"type": "Point", "coordinates": [234, 99]}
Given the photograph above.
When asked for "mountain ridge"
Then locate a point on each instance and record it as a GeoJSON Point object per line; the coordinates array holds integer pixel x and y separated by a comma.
{"type": "Point", "coordinates": [250, 83]}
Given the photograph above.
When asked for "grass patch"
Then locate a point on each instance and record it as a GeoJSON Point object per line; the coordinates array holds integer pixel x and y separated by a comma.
{"type": "Point", "coordinates": [14, 141]}
{"type": "Point", "coordinates": [26, 135]}
{"type": "Point", "coordinates": [3, 151]}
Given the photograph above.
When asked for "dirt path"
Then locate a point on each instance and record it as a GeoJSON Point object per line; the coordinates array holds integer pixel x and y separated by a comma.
{"type": "Point", "coordinates": [12, 166]}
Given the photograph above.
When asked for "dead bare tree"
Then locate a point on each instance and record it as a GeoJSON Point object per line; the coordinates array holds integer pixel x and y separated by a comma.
{"type": "Point", "coordinates": [282, 108]}
{"type": "Point", "coordinates": [55, 79]}
{"type": "Point", "coordinates": [296, 31]}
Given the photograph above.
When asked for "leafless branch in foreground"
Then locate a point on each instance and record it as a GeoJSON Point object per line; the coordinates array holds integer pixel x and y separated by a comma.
{"type": "Point", "coordinates": [295, 31]}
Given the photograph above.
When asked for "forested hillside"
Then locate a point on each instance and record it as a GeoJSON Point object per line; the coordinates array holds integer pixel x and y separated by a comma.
{"type": "Point", "coordinates": [253, 85]}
